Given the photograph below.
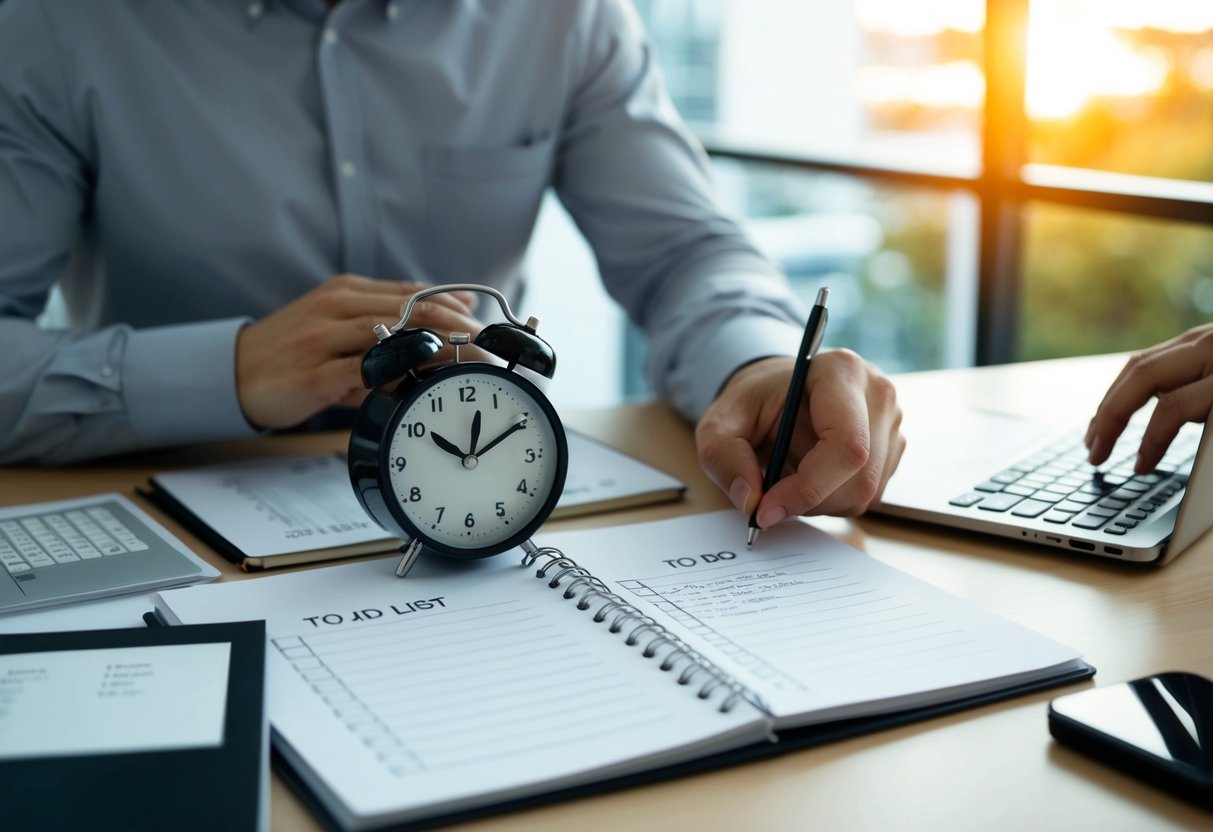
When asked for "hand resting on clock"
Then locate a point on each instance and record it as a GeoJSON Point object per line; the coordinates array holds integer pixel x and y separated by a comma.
{"type": "Point", "coordinates": [847, 442]}
{"type": "Point", "coordinates": [307, 355]}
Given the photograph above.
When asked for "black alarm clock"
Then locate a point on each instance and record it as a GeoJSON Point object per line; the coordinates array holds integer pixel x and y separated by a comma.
{"type": "Point", "coordinates": [463, 458]}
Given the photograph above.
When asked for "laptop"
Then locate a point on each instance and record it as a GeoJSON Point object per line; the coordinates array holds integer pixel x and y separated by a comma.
{"type": "Point", "coordinates": [1003, 474]}
{"type": "Point", "coordinates": [90, 547]}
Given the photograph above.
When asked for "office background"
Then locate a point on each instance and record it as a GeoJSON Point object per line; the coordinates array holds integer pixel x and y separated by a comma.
{"type": "Point", "coordinates": [987, 180]}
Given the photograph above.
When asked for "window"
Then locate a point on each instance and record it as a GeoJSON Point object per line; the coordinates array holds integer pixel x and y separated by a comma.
{"type": "Point", "coordinates": [987, 181]}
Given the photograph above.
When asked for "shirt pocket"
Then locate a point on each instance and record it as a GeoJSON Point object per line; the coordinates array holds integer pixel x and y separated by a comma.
{"type": "Point", "coordinates": [481, 205]}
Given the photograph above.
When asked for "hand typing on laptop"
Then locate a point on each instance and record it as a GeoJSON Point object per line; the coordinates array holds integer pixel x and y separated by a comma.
{"type": "Point", "coordinates": [1180, 373]}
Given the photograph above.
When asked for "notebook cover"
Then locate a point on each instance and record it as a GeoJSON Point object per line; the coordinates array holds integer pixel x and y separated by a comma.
{"type": "Point", "coordinates": [793, 740]}
{"type": "Point", "coordinates": [174, 508]}
{"type": "Point", "coordinates": [188, 789]}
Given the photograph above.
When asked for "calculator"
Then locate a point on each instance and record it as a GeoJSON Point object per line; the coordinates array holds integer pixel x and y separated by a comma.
{"type": "Point", "coordinates": [91, 547]}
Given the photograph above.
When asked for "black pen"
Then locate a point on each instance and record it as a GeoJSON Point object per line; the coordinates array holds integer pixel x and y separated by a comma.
{"type": "Point", "coordinates": [813, 330]}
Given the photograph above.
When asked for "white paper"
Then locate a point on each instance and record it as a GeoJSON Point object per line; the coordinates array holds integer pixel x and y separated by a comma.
{"type": "Point", "coordinates": [600, 474]}
{"type": "Point", "coordinates": [817, 628]}
{"type": "Point", "coordinates": [98, 614]}
{"type": "Point", "coordinates": [109, 701]}
{"type": "Point", "coordinates": [463, 684]}
{"type": "Point", "coordinates": [274, 506]}
{"type": "Point", "coordinates": [280, 505]}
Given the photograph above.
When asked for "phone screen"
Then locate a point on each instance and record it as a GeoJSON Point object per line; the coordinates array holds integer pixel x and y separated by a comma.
{"type": "Point", "coordinates": [1160, 727]}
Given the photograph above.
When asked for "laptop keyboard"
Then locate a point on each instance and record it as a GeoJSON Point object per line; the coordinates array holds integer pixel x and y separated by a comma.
{"type": "Point", "coordinates": [46, 540]}
{"type": "Point", "coordinates": [1058, 485]}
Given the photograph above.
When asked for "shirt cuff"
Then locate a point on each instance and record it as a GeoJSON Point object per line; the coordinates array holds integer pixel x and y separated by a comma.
{"type": "Point", "coordinates": [180, 383]}
{"type": "Point", "coordinates": [744, 340]}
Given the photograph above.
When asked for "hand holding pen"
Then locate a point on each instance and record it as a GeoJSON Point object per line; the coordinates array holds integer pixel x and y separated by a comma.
{"type": "Point", "coordinates": [814, 330]}
{"type": "Point", "coordinates": [843, 442]}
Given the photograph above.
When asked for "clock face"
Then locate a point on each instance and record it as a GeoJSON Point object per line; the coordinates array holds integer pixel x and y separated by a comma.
{"type": "Point", "coordinates": [475, 460]}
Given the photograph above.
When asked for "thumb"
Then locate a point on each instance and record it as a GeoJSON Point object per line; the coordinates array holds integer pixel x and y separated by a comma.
{"type": "Point", "coordinates": [727, 456]}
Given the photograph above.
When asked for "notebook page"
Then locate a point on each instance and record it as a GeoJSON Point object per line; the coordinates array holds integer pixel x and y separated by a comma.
{"type": "Point", "coordinates": [463, 684]}
{"type": "Point", "coordinates": [817, 629]}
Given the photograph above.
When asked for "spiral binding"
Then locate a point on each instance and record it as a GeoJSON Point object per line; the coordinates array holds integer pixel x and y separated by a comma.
{"type": "Point", "coordinates": [593, 592]}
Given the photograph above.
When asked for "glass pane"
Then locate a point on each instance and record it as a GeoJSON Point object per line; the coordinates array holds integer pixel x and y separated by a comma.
{"type": "Point", "coordinates": [882, 81]}
{"type": "Point", "coordinates": [1122, 85]}
{"type": "Point", "coordinates": [1098, 282]}
{"type": "Point", "coordinates": [900, 263]}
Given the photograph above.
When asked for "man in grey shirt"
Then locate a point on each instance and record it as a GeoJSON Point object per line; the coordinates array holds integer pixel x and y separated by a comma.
{"type": "Point", "coordinates": [230, 193]}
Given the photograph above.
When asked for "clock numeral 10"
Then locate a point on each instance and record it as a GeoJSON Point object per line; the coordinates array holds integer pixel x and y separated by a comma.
{"type": "Point", "coordinates": [415, 429]}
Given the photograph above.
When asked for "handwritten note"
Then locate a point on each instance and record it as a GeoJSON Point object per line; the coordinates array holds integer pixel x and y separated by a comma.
{"type": "Point", "coordinates": [813, 625]}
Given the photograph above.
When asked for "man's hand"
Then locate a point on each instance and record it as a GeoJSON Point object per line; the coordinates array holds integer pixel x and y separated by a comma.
{"type": "Point", "coordinates": [1180, 373]}
{"type": "Point", "coordinates": [307, 356]}
{"type": "Point", "coordinates": [846, 445]}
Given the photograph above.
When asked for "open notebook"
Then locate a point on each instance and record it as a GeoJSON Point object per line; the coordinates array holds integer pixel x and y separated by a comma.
{"type": "Point", "coordinates": [472, 687]}
{"type": "Point", "coordinates": [282, 511]}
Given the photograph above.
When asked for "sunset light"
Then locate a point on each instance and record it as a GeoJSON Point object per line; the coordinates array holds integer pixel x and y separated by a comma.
{"type": "Point", "coordinates": [1071, 61]}
{"type": "Point", "coordinates": [1078, 52]}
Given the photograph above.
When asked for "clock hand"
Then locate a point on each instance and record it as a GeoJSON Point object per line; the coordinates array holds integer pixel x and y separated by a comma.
{"type": "Point", "coordinates": [475, 434]}
{"type": "Point", "coordinates": [519, 424]}
{"type": "Point", "coordinates": [446, 445]}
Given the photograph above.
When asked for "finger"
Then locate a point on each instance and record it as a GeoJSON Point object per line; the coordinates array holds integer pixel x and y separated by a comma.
{"type": "Point", "coordinates": [355, 397]}
{"type": "Point", "coordinates": [1190, 403]}
{"type": "Point", "coordinates": [1145, 376]}
{"type": "Point", "coordinates": [858, 493]}
{"type": "Point", "coordinates": [346, 337]}
{"type": "Point", "coordinates": [1104, 427]}
{"type": "Point", "coordinates": [337, 380]}
{"type": "Point", "coordinates": [351, 296]}
{"type": "Point", "coordinates": [725, 439]}
{"type": "Point", "coordinates": [841, 453]}
{"type": "Point", "coordinates": [459, 301]}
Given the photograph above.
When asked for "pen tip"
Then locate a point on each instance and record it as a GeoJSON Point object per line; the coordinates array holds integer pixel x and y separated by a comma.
{"type": "Point", "coordinates": [751, 537]}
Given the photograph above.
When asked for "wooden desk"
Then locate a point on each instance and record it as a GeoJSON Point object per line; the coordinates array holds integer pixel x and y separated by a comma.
{"type": "Point", "coordinates": [994, 767]}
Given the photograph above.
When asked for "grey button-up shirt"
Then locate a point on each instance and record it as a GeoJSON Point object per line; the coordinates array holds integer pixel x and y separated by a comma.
{"type": "Point", "coordinates": [182, 168]}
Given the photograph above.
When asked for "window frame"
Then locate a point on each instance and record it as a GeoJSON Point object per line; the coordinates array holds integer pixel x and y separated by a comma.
{"type": "Point", "coordinates": [1005, 184]}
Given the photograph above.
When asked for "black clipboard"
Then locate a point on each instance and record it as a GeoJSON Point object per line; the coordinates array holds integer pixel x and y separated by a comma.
{"type": "Point", "coordinates": [185, 789]}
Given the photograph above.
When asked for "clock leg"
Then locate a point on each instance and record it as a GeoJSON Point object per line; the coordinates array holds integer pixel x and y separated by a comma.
{"type": "Point", "coordinates": [408, 555]}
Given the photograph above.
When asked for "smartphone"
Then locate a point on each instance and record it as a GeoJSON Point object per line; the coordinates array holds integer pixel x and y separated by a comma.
{"type": "Point", "coordinates": [1159, 728]}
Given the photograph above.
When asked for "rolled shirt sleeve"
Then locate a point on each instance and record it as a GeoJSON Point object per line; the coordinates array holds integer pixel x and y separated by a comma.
{"type": "Point", "coordinates": [638, 186]}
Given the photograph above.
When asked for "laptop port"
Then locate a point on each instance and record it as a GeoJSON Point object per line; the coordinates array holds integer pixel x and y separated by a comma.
{"type": "Point", "coordinates": [1114, 550]}
{"type": "Point", "coordinates": [1082, 544]}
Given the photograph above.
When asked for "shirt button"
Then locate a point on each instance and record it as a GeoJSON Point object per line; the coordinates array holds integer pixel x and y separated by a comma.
{"type": "Point", "coordinates": [330, 35]}
{"type": "Point", "coordinates": [392, 11]}
{"type": "Point", "coordinates": [349, 170]}
{"type": "Point", "coordinates": [107, 371]}
{"type": "Point", "coordinates": [255, 9]}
